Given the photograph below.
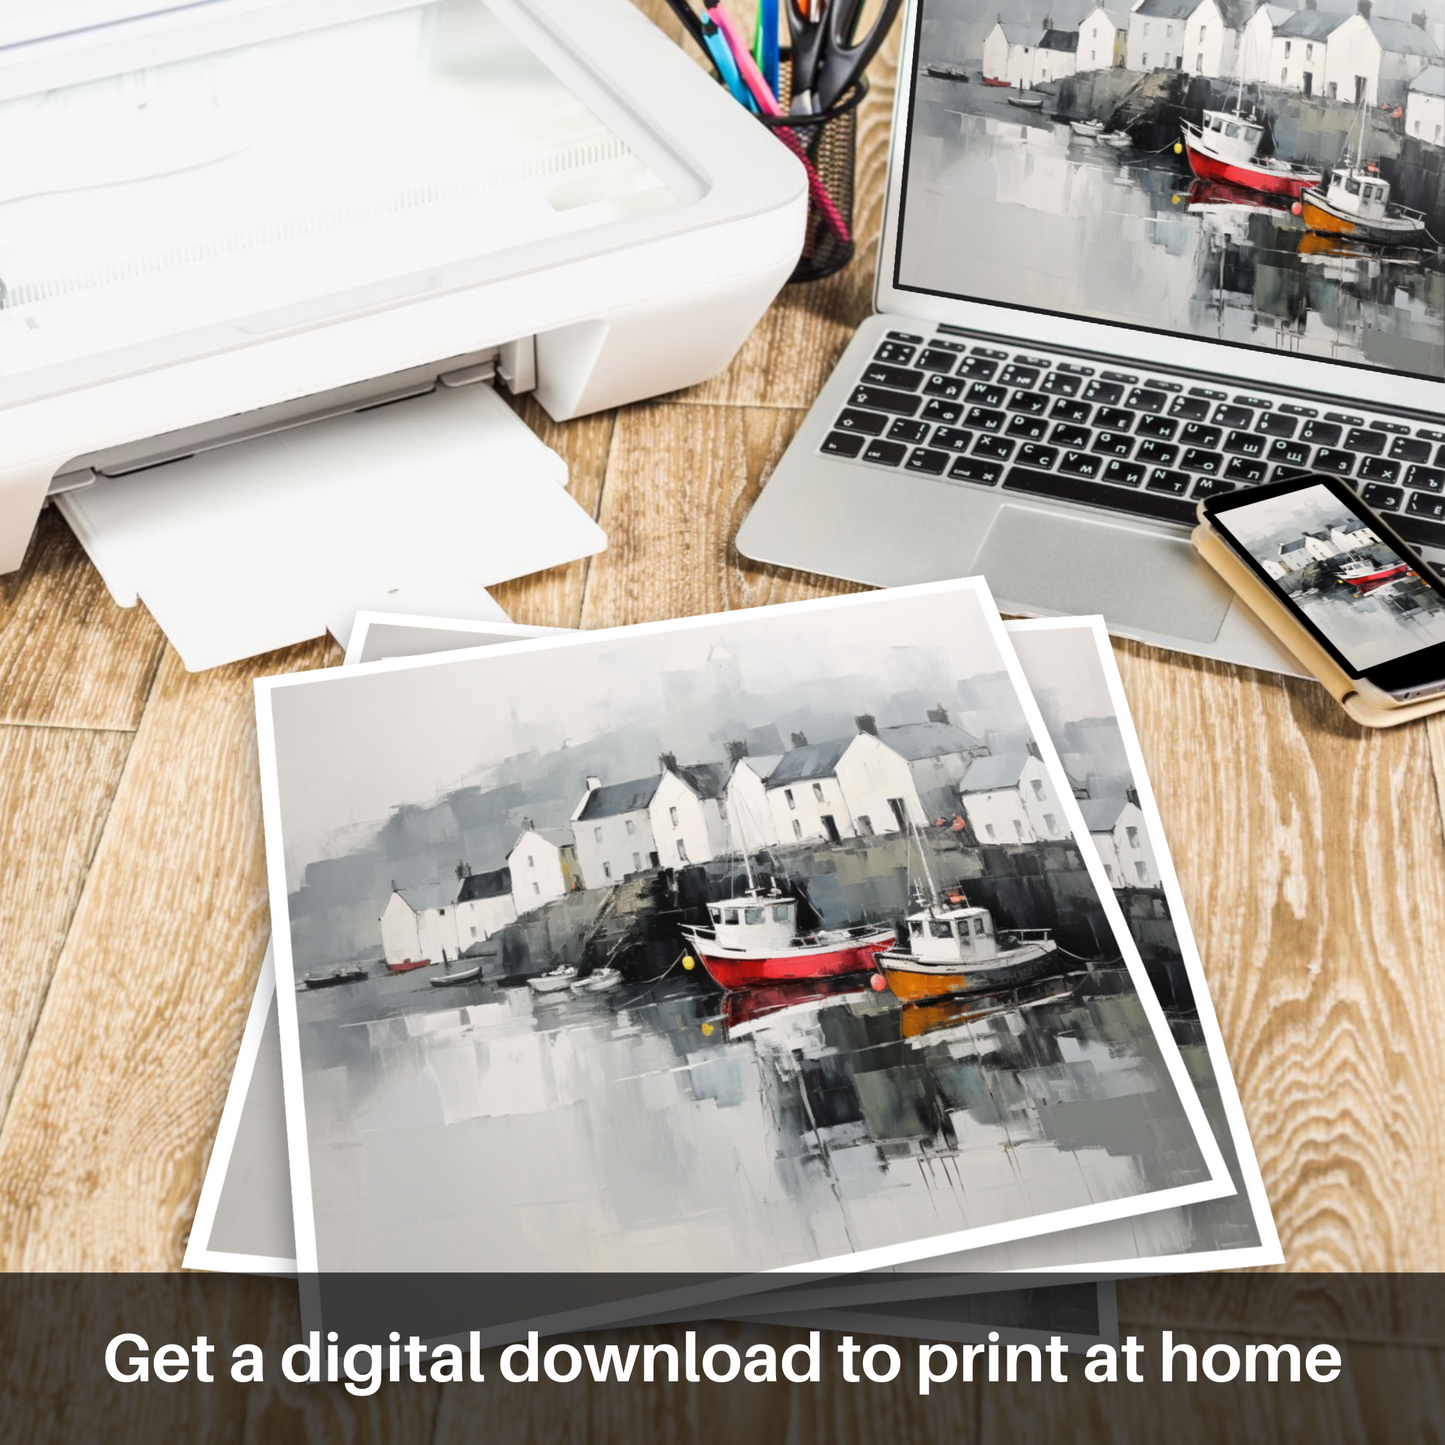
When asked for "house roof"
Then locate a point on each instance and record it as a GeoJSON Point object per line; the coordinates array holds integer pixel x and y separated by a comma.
{"type": "Point", "coordinates": [914, 741]}
{"type": "Point", "coordinates": [1100, 814]}
{"type": "Point", "coordinates": [1310, 25]}
{"type": "Point", "coordinates": [618, 798]}
{"type": "Point", "coordinates": [1065, 40]}
{"type": "Point", "coordinates": [707, 780]}
{"type": "Point", "coordinates": [817, 760]}
{"type": "Point", "coordinates": [1015, 33]}
{"type": "Point", "coordinates": [1400, 37]}
{"type": "Point", "coordinates": [557, 837]}
{"type": "Point", "coordinates": [1430, 81]}
{"type": "Point", "coordinates": [421, 896]}
{"type": "Point", "coordinates": [997, 770]}
{"type": "Point", "coordinates": [1119, 19]}
{"type": "Point", "coordinates": [1292, 546]}
{"type": "Point", "coordinates": [1167, 9]}
{"type": "Point", "coordinates": [485, 885]}
{"type": "Point", "coordinates": [1319, 536]}
{"type": "Point", "coordinates": [761, 765]}
{"type": "Point", "coordinates": [1276, 14]}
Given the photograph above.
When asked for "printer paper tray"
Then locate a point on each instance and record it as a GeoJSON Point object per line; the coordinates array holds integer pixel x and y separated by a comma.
{"type": "Point", "coordinates": [417, 506]}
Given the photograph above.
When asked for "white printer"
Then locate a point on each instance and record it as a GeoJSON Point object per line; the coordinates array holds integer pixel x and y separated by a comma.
{"type": "Point", "coordinates": [224, 220]}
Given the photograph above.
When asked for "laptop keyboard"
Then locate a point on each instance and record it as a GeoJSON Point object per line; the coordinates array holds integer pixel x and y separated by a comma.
{"type": "Point", "coordinates": [1144, 444]}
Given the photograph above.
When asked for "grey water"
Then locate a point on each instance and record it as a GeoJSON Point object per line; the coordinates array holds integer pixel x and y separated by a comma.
{"type": "Point", "coordinates": [667, 1127]}
{"type": "Point", "coordinates": [1008, 207]}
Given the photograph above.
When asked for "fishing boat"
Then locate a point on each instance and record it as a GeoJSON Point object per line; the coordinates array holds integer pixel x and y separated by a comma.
{"type": "Point", "coordinates": [1356, 203]}
{"type": "Point", "coordinates": [1119, 139]}
{"type": "Point", "coordinates": [1225, 148]}
{"type": "Point", "coordinates": [1027, 102]}
{"type": "Point", "coordinates": [947, 72]}
{"type": "Point", "coordinates": [347, 973]}
{"type": "Point", "coordinates": [451, 980]}
{"type": "Point", "coordinates": [1000, 84]}
{"type": "Point", "coordinates": [1365, 576]}
{"type": "Point", "coordinates": [407, 965]}
{"type": "Point", "coordinates": [554, 980]}
{"type": "Point", "coordinates": [598, 981]}
{"type": "Point", "coordinates": [1087, 129]}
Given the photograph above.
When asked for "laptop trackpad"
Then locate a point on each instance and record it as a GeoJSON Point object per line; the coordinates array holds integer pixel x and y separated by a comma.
{"type": "Point", "coordinates": [1072, 564]}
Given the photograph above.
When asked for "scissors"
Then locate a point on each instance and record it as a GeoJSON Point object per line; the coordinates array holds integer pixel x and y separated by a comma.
{"type": "Point", "coordinates": [827, 54]}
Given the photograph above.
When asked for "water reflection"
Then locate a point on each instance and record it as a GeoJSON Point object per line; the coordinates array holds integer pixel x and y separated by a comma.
{"type": "Point", "coordinates": [668, 1127]}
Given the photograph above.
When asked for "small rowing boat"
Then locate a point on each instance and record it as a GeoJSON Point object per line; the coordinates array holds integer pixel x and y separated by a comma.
{"type": "Point", "coordinates": [554, 980]}
{"type": "Point", "coordinates": [1087, 129]}
{"type": "Point", "coordinates": [451, 980]}
{"type": "Point", "coordinates": [1027, 102]}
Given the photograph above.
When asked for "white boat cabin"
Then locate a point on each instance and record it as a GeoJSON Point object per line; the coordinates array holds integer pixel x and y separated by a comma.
{"type": "Point", "coordinates": [755, 922]}
{"type": "Point", "coordinates": [1230, 136]}
{"type": "Point", "coordinates": [952, 935]}
{"type": "Point", "coordinates": [1358, 192]}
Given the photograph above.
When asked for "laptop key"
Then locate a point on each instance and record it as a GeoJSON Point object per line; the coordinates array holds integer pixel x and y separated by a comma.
{"type": "Point", "coordinates": [902, 377]}
{"type": "Point", "coordinates": [1408, 449]}
{"type": "Point", "coordinates": [1195, 435]}
{"type": "Point", "coordinates": [905, 336]}
{"type": "Point", "coordinates": [971, 469]}
{"type": "Point", "coordinates": [1015, 375]}
{"type": "Point", "coordinates": [1160, 427]}
{"type": "Point", "coordinates": [1190, 408]}
{"type": "Point", "coordinates": [945, 411]}
{"type": "Point", "coordinates": [1035, 403]}
{"type": "Point", "coordinates": [895, 353]}
{"type": "Point", "coordinates": [1111, 444]}
{"type": "Point", "coordinates": [878, 398]}
{"type": "Point", "coordinates": [905, 429]}
{"type": "Point", "coordinates": [1213, 486]}
{"type": "Point", "coordinates": [1425, 479]}
{"type": "Point", "coordinates": [1423, 504]}
{"type": "Point", "coordinates": [1075, 411]}
{"type": "Point", "coordinates": [886, 454]}
{"type": "Point", "coordinates": [1245, 444]}
{"type": "Point", "coordinates": [925, 459]}
{"type": "Point", "coordinates": [1289, 453]}
{"type": "Point", "coordinates": [1060, 383]}
{"type": "Point", "coordinates": [1081, 464]}
{"type": "Point", "coordinates": [1070, 436]}
{"type": "Point", "coordinates": [1113, 418]}
{"type": "Point", "coordinates": [1069, 488]}
{"type": "Point", "coordinates": [1382, 499]}
{"type": "Point", "coordinates": [982, 419]}
{"type": "Point", "coordinates": [953, 438]}
{"type": "Point", "coordinates": [1144, 398]}
{"type": "Point", "coordinates": [948, 387]}
{"type": "Point", "coordinates": [1161, 479]}
{"type": "Point", "coordinates": [1371, 443]}
{"type": "Point", "coordinates": [1107, 392]}
{"type": "Point", "coordinates": [1036, 456]}
{"type": "Point", "coordinates": [994, 447]}
{"type": "Point", "coordinates": [1419, 531]}
{"type": "Point", "coordinates": [986, 395]}
{"type": "Point", "coordinates": [867, 422]}
{"type": "Point", "coordinates": [1321, 433]}
{"type": "Point", "coordinates": [1196, 459]}
{"type": "Point", "coordinates": [932, 359]}
{"type": "Point", "coordinates": [1377, 469]}
{"type": "Point", "coordinates": [979, 368]}
{"type": "Point", "coordinates": [1332, 459]}
{"type": "Point", "coordinates": [843, 444]}
{"type": "Point", "coordinates": [1156, 454]}
{"type": "Point", "coordinates": [1031, 428]}
{"type": "Point", "coordinates": [1241, 469]}
{"type": "Point", "coordinates": [1235, 416]}
{"type": "Point", "coordinates": [1124, 474]}
{"type": "Point", "coordinates": [1272, 424]}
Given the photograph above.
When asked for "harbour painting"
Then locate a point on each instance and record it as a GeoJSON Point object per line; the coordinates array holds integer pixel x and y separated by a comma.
{"type": "Point", "coordinates": [740, 943]}
{"type": "Point", "coordinates": [1271, 175]}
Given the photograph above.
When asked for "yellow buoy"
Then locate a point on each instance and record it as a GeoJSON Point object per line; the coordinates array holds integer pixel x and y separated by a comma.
{"type": "Point", "coordinates": [689, 962]}
{"type": "Point", "coordinates": [1178, 149]}
{"type": "Point", "coordinates": [707, 1031]}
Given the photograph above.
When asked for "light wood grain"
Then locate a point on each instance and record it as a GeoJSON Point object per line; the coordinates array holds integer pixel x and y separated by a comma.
{"type": "Point", "coordinates": [56, 786]}
{"type": "Point", "coordinates": [102, 1149]}
{"type": "Point", "coordinates": [69, 657]}
{"type": "Point", "coordinates": [1311, 859]}
{"type": "Point", "coordinates": [679, 483]}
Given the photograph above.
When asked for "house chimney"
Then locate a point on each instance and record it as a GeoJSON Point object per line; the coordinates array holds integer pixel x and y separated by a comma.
{"type": "Point", "coordinates": [1419, 18]}
{"type": "Point", "coordinates": [667, 762]}
{"type": "Point", "coordinates": [938, 714]}
{"type": "Point", "coordinates": [593, 783]}
{"type": "Point", "coordinates": [1312, 4]}
{"type": "Point", "coordinates": [1364, 7]}
{"type": "Point", "coordinates": [1033, 749]}
{"type": "Point", "coordinates": [464, 870]}
{"type": "Point", "coordinates": [737, 751]}
{"type": "Point", "coordinates": [800, 740]}
{"type": "Point", "coordinates": [1132, 793]}
{"type": "Point", "coordinates": [867, 723]}
{"type": "Point", "coordinates": [528, 825]}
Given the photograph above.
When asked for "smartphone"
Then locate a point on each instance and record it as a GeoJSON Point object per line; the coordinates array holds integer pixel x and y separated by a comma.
{"type": "Point", "coordinates": [1344, 575]}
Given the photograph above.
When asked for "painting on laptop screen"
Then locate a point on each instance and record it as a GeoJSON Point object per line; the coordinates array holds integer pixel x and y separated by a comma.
{"type": "Point", "coordinates": [1263, 175]}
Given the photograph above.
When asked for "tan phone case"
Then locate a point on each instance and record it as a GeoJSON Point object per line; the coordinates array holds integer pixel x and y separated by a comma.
{"type": "Point", "coordinates": [1313, 658]}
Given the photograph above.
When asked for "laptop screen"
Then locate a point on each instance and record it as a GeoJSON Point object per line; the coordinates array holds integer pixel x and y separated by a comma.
{"type": "Point", "coordinates": [1262, 176]}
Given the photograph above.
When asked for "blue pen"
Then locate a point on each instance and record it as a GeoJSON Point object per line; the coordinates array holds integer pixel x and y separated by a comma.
{"type": "Point", "coordinates": [727, 67]}
{"type": "Point", "coordinates": [768, 27]}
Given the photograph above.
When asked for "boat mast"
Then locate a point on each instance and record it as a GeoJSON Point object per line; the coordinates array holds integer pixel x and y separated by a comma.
{"type": "Point", "coordinates": [933, 898]}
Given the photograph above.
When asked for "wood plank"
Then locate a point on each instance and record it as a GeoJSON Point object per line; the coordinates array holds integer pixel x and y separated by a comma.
{"type": "Point", "coordinates": [680, 480]}
{"type": "Point", "coordinates": [56, 786]}
{"type": "Point", "coordinates": [69, 657]}
{"type": "Point", "coordinates": [1315, 881]}
{"type": "Point", "coordinates": [102, 1150]}
{"type": "Point", "coordinates": [554, 598]}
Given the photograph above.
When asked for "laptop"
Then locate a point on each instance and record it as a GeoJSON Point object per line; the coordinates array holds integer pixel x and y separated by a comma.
{"type": "Point", "coordinates": [1076, 338]}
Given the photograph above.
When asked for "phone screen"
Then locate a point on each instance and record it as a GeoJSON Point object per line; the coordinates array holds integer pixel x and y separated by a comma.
{"type": "Point", "coordinates": [1355, 591]}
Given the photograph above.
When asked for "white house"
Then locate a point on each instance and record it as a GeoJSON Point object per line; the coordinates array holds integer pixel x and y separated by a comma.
{"type": "Point", "coordinates": [1297, 53]}
{"type": "Point", "coordinates": [1212, 37]}
{"type": "Point", "coordinates": [1116, 827]}
{"type": "Point", "coordinates": [1055, 56]}
{"type": "Point", "coordinates": [1256, 42]}
{"type": "Point", "coordinates": [1318, 546]}
{"type": "Point", "coordinates": [1273, 568]}
{"type": "Point", "coordinates": [877, 783]}
{"type": "Point", "coordinates": [688, 813]}
{"type": "Point", "coordinates": [1348, 534]}
{"type": "Point", "coordinates": [1008, 52]}
{"type": "Point", "coordinates": [420, 922]}
{"type": "Point", "coordinates": [1425, 106]}
{"type": "Point", "coordinates": [1292, 555]}
{"type": "Point", "coordinates": [747, 800]}
{"type": "Point", "coordinates": [804, 795]}
{"type": "Point", "coordinates": [1010, 798]}
{"type": "Point", "coordinates": [1156, 34]}
{"type": "Point", "coordinates": [1375, 60]}
{"type": "Point", "coordinates": [938, 754]}
{"type": "Point", "coordinates": [483, 906]}
{"type": "Point", "coordinates": [613, 830]}
{"type": "Point", "coordinates": [543, 863]}
{"type": "Point", "coordinates": [1103, 39]}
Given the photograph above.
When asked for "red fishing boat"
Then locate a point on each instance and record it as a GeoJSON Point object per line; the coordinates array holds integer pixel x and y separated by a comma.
{"type": "Point", "coordinates": [1225, 148]}
{"type": "Point", "coordinates": [1002, 84]}
{"type": "Point", "coordinates": [1366, 576]}
{"type": "Point", "coordinates": [407, 964]}
{"type": "Point", "coordinates": [754, 940]}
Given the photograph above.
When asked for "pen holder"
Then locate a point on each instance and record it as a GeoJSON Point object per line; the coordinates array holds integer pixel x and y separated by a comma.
{"type": "Point", "coordinates": [826, 142]}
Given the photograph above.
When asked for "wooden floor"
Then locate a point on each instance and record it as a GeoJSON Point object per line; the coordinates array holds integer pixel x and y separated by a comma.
{"type": "Point", "coordinates": [1311, 854]}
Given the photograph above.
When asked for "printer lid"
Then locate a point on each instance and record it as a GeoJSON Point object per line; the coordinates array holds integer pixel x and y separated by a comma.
{"type": "Point", "coordinates": [182, 178]}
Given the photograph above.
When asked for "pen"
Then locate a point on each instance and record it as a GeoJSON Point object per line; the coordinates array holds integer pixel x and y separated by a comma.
{"type": "Point", "coordinates": [689, 20]}
{"type": "Point", "coordinates": [765, 42]}
{"type": "Point", "coordinates": [725, 57]}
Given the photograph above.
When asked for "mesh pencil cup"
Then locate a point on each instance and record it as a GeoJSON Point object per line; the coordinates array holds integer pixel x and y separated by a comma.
{"type": "Point", "coordinates": [826, 143]}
